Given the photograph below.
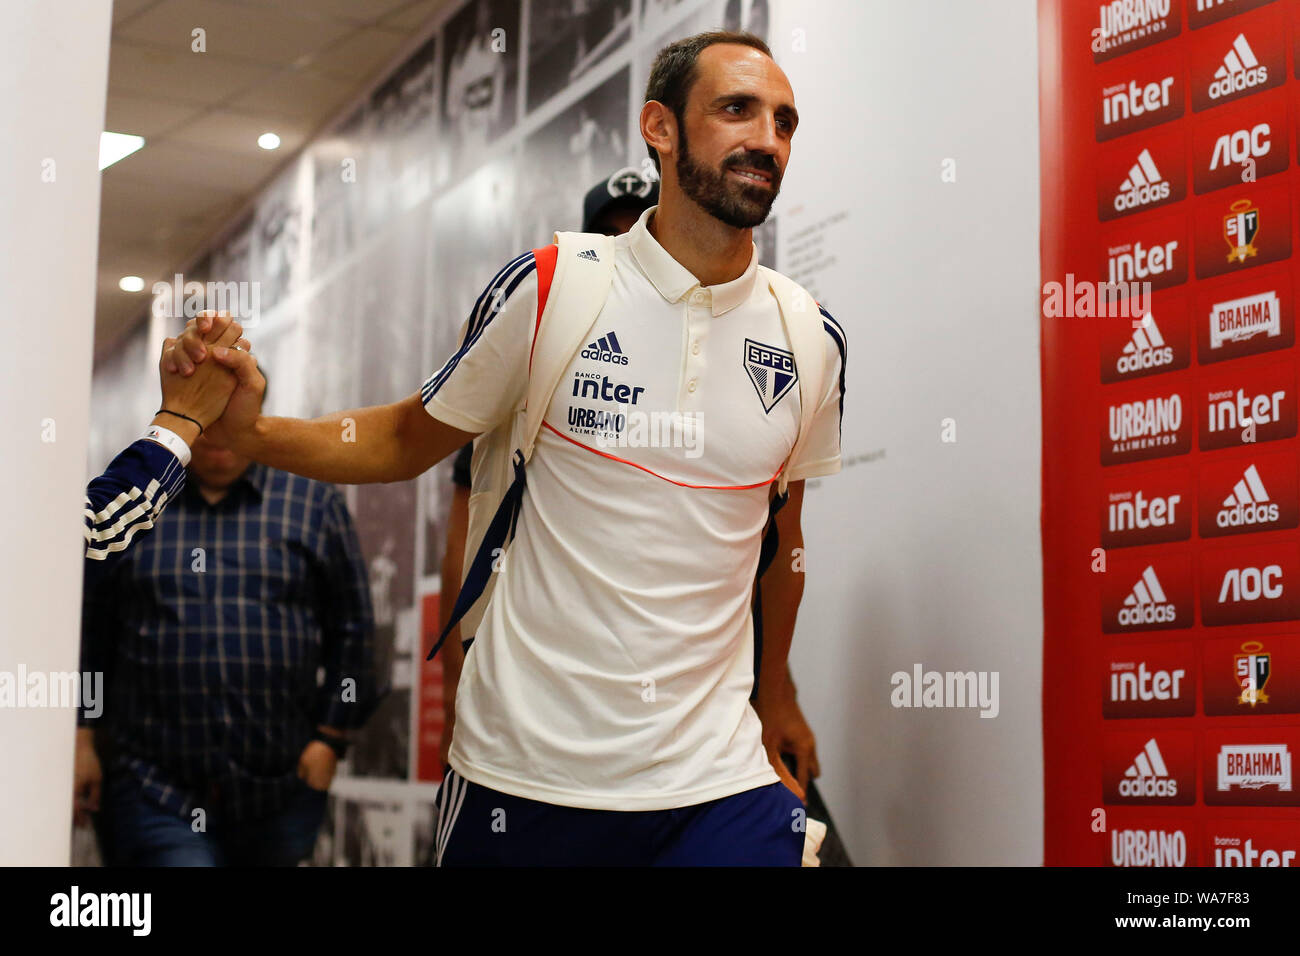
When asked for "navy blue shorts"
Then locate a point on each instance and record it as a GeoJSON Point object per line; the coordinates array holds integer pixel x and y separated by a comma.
{"type": "Point", "coordinates": [478, 826]}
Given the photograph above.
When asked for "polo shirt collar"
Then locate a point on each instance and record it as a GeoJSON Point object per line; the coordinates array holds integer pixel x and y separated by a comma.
{"type": "Point", "coordinates": [251, 485]}
{"type": "Point", "coordinates": [673, 280]}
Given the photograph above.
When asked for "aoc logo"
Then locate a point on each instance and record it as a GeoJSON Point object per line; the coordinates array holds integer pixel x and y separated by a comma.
{"type": "Point", "coordinates": [1148, 848]}
{"type": "Point", "coordinates": [771, 370]}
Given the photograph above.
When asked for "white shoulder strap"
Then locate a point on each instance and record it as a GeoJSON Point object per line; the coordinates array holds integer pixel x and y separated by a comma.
{"type": "Point", "coordinates": [803, 327]}
{"type": "Point", "coordinates": [584, 271]}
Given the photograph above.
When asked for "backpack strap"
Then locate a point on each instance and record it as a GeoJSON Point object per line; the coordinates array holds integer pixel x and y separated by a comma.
{"type": "Point", "coordinates": [802, 319]}
{"type": "Point", "coordinates": [573, 279]}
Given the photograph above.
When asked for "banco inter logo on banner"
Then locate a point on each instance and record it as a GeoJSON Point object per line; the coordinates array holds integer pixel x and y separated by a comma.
{"type": "Point", "coordinates": [1149, 844]}
{"type": "Point", "coordinates": [1147, 509]}
{"type": "Point", "coordinates": [1139, 97]}
{"type": "Point", "coordinates": [1247, 407]}
{"type": "Point", "coordinates": [1231, 64]}
{"type": "Point", "coordinates": [1252, 843]}
{"type": "Point", "coordinates": [1250, 585]}
{"type": "Point", "coordinates": [1144, 768]}
{"type": "Point", "coordinates": [1154, 252]}
{"type": "Point", "coordinates": [1122, 26]}
{"type": "Point", "coordinates": [1150, 595]}
{"type": "Point", "coordinates": [1203, 13]}
{"type": "Point", "coordinates": [1245, 495]}
{"type": "Point", "coordinates": [1245, 146]}
{"type": "Point", "coordinates": [1250, 768]}
{"type": "Point", "coordinates": [1157, 342]}
{"type": "Point", "coordinates": [1145, 426]}
{"type": "Point", "coordinates": [1132, 180]}
{"type": "Point", "coordinates": [1156, 680]}
{"type": "Point", "coordinates": [1245, 318]}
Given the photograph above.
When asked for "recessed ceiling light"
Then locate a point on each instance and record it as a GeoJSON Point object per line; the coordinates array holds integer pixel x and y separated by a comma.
{"type": "Point", "coordinates": [115, 146]}
{"type": "Point", "coordinates": [131, 284]}
{"type": "Point", "coordinates": [268, 141]}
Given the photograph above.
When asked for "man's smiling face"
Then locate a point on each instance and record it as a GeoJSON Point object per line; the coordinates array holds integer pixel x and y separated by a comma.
{"type": "Point", "coordinates": [734, 140]}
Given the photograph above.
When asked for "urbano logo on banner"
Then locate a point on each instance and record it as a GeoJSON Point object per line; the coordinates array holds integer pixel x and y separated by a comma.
{"type": "Point", "coordinates": [1140, 97]}
{"type": "Point", "coordinates": [1122, 26]}
{"type": "Point", "coordinates": [1254, 676]}
{"type": "Point", "coordinates": [1237, 60]}
{"type": "Point", "coordinates": [1149, 425]}
{"type": "Point", "coordinates": [1145, 768]}
{"type": "Point", "coordinates": [1147, 595]}
{"type": "Point", "coordinates": [1250, 769]}
{"type": "Point", "coordinates": [1245, 318]}
{"type": "Point", "coordinates": [1156, 342]}
{"type": "Point", "coordinates": [1247, 407]}
{"type": "Point", "coordinates": [1157, 680]}
{"type": "Point", "coordinates": [1147, 509]}
{"type": "Point", "coordinates": [1149, 843]}
{"type": "Point", "coordinates": [1250, 585]}
{"type": "Point", "coordinates": [1240, 843]}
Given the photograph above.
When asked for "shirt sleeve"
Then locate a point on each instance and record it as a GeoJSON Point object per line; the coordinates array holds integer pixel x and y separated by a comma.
{"type": "Point", "coordinates": [128, 497]}
{"type": "Point", "coordinates": [821, 450]}
{"type": "Point", "coordinates": [486, 378]}
{"type": "Point", "coordinates": [347, 624]}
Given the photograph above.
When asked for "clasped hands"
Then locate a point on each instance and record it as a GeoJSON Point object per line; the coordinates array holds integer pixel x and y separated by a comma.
{"type": "Point", "coordinates": [223, 396]}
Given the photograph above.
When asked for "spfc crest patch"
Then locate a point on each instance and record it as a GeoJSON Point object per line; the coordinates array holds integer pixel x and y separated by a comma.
{"type": "Point", "coordinates": [1251, 668]}
{"type": "Point", "coordinates": [771, 370]}
{"type": "Point", "coordinates": [1240, 227]}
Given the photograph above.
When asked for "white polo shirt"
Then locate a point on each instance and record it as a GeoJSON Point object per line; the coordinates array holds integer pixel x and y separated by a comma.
{"type": "Point", "coordinates": [614, 663]}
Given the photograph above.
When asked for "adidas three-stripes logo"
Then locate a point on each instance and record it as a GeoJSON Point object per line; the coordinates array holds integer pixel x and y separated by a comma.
{"type": "Point", "coordinates": [589, 254]}
{"type": "Point", "coordinates": [605, 349]}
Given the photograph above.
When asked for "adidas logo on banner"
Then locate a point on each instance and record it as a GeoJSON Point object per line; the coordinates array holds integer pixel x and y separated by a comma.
{"type": "Point", "coordinates": [1143, 186]}
{"type": "Point", "coordinates": [1241, 70]}
{"type": "Point", "coordinates": [589, 254]}
{"type": "Point", "coordinates": [1147, 604]}
{"type": "Point", "coordinates": [1148, 776]}
{"type": "Point", "coordinates": [605, 349]}
{"type": "Point", "coordinates": [1248, 504]}
{"type": "Point", "coordinates": [1146, 349]}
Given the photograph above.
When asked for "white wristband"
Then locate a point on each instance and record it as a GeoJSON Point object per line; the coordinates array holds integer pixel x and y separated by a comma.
{"type": "Point", "coordinates": [171, 441]}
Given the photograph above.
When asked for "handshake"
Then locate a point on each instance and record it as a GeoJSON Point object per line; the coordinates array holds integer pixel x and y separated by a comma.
{"type": "Point", "coordinates": [220, 399]}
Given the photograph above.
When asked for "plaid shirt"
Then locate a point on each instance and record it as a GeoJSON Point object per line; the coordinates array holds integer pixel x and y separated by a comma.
{"type": "Point", "coordinates": [211, 656]}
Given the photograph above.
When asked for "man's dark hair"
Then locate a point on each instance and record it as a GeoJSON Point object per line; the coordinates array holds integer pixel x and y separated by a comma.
{"type": "Point", "coordinates": [673, 73]}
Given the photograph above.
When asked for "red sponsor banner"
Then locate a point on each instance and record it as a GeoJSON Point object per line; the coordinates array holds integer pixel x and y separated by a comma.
{"type": "Point", "coordinates": [1152, 423]}
{"type": "Point", "coordinates": [1203, 13]}
{"type": "Point", "coordinates": [1150, 842]}
{"type": "Point", "coordinates": [1237, 59]}
{"type": "Point", "coordinates": [1245, 318]}
{"type": "Point", "coordinates": [1242, 228]}
{"type": "Point", "coordinates": [1152, 343]}
{"type": "Point", "coordinates": [1139, 95]}
{"type": "Point", "coordinates": [1250, 585]}
{"type": "Point", "coordinates": [1246, 405]}
{"type": "Point", "coordinates": [1117, 27]}
{"type": "Point", "coordinates": [1251, 843]}
{"type": "Point", "coordinates": [1147, 509]}
{"type": "Point", "coordinates": [1149, 767]}
{"type": "Point", "coordinates": [1252, 676]}
{"type": "Point", "coordinates": [1141, 173]}
{"type": "Point", "coordinates": [429, 716]}
{"type": "Point", "coordinates": [1237, 147]}
{"type": "Point", "coordinates": [1250, 767]}
{"type": "Point", "coordinates": [1241, 495]}
{"type": "Point", "coordinates": [1153, 680]}
{"type": "Point", "coordinates": [1147, 594]}
{"type": "Point", "coordinates": [1153, 251]}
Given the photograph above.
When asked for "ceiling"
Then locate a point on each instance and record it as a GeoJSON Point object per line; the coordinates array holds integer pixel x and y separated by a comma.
{"type": "Point", "coordinates": [283, 66]}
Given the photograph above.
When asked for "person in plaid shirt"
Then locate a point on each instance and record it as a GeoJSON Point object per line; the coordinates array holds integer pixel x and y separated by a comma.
{"type": "Point", "coordinates": [218, 741]}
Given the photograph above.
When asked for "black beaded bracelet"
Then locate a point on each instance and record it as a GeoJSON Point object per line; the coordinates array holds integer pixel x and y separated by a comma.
{"type": "Point", "coordinates": [168, 411]}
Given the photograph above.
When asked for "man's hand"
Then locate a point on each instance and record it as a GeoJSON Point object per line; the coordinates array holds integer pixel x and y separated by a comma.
{"type": "Point", "coordinates": [198, 394]}
{"type": "Point", "coordinates": [187, 355]}
{"type": "Point", "coordinates": [87, 777]}
{"type": "Point", "coordinates": [786, 731]}
{"type": "Point", "coordinates": [317, 764]}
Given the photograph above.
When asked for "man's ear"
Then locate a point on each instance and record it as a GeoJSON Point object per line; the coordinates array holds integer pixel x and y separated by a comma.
{"type": "Point", "coordinates": [659, 129]}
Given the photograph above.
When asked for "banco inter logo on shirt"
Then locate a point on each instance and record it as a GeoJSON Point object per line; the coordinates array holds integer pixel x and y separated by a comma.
{"type": "Point", "coordinates": [771, 370]}
{"type": "Point", "coordinates": [605, 349]}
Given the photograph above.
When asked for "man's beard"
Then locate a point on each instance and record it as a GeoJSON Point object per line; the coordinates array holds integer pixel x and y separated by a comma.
{"type": "Point", "coordinates": [738, 205]}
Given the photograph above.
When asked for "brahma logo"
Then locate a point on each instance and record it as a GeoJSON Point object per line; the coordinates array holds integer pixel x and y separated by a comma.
{"type": "Point", "coordinates": [1139, 767]}
{"type": "Point", "coordinates": [1250, 769]}
{"type": "Point", "coordinates": [1154, 847]}
{"type": "Point", "coordinates": [1127, 25]}
{"type": "Point", "coordinates": [1144, 428]}
{"type": "Point", "coordinates": [1246, 325]}
{"type": "Point", "coordinates": [1148, 512]}
{"type": "Point", "coordinates": [1152, 681]}
{"type": "Point", "coordinates": [1254, 766]}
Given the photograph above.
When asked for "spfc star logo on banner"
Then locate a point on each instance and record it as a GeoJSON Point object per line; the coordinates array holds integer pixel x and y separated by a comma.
{"type": "Point", "coordinates": [1240, 228]}
{"type": "Point", "coordinates": [1251, 670]}
{"type": "Point", "coordinates": [771, 370]}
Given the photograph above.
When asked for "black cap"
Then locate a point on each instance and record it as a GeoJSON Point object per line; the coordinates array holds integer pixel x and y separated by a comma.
{"type": "Point", "coordinates": [627, 187]}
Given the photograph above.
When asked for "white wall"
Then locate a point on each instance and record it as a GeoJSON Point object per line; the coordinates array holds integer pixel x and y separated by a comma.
{"type": "Point", "coordinates": [920, 550]}
{"type": "Point", "coordinates": [53, 75]}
